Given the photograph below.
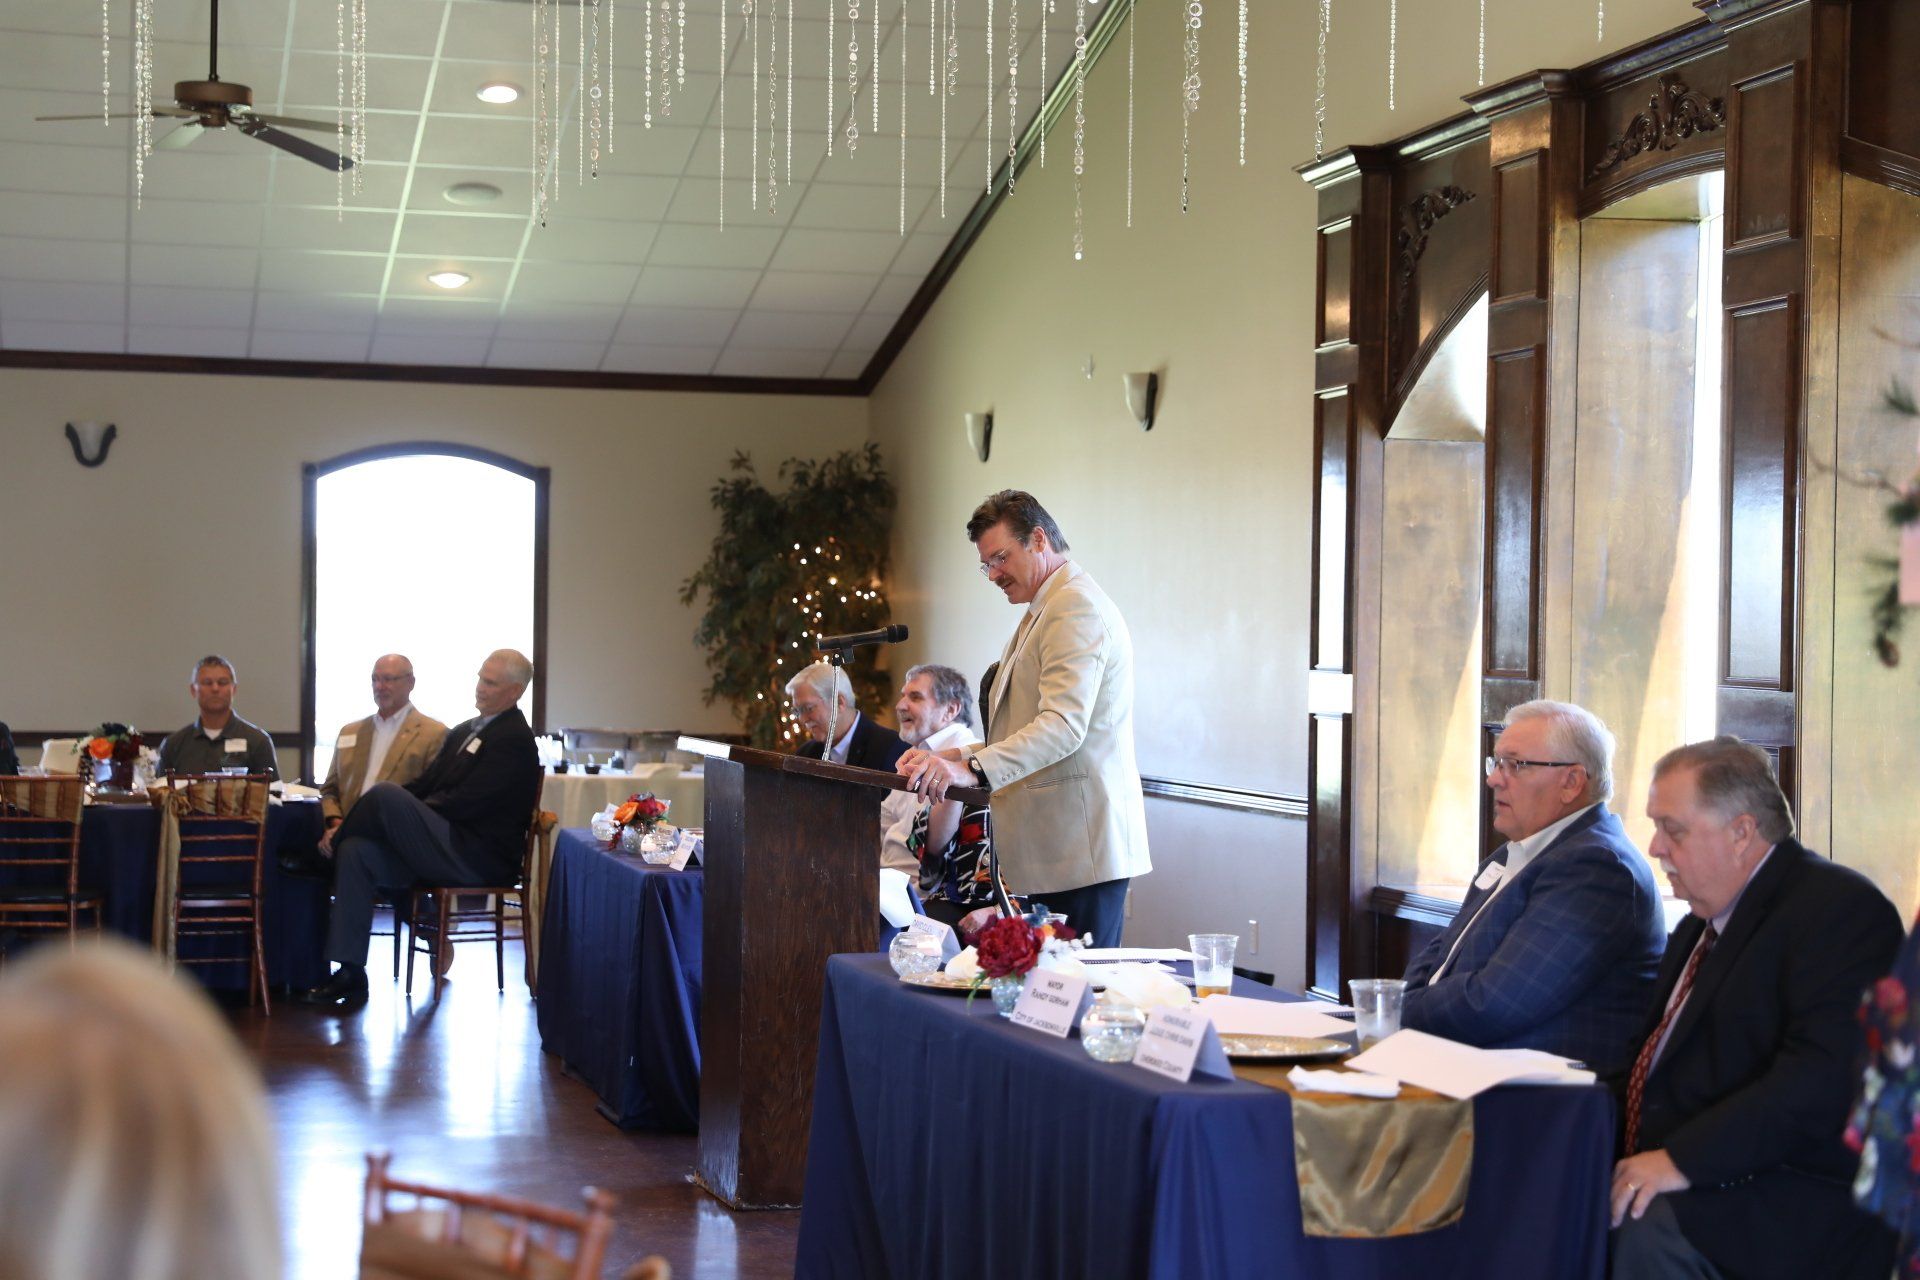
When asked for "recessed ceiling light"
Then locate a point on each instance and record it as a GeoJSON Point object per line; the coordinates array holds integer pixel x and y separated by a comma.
{"type": "Point", "coordinates": [449, 279]}
{"type": "Point", "coordinates": [472, 193]}
{"type": "Point", "coordinates": [498, 92]}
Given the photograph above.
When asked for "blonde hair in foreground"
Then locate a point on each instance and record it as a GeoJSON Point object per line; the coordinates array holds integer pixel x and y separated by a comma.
{"type": "Point", "coordinates": [133, 1133]}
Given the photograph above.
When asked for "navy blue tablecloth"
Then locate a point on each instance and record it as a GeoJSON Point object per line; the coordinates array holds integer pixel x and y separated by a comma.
{"type": "Point", "coordinates": [948, 1142]}
{"type": "Point", "coordinates": [619, 998]}
{"type": "Point", "coordinates": [119, 857]}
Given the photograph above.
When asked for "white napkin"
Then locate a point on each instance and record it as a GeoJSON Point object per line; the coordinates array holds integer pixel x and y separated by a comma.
{"type": "Point", "coordinates": [1147, 986]}
{"type": "Point", "coordinates": [965, 966]}
{"type": "Point", "coordinates": [299, 791]}
{"type": "Point", "coordinates": [896, 908]}
{"type": "Point", "coordinates": [1354, 1082]}
{"type": "Point", "coordinates": [1062, 960]}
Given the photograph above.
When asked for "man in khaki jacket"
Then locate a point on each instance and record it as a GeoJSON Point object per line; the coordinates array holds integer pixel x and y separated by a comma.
{"type": "Point", "coordinates": [1069, 820]}
{"type": "Point", "coordinates": [395, 744]}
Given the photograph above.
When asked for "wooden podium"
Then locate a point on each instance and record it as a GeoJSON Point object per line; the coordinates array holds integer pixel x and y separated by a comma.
{"type": "Point", "coordinates": [792, 863]}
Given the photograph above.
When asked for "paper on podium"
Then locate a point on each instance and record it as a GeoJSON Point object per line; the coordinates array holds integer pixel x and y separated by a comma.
{"type": "Point", "coordinates": [1241, 1016]}
{"type": "Point", "coordinates": [1117, 955]}
{"type": "Point", "coordinates": [1459, 1070]}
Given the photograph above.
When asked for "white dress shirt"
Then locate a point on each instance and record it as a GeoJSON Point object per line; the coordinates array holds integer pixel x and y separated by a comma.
{"type": "Point", "coordinates": [838, 753]}
{"type": "Point", "coordinates": [1519, 854]}
{"type": "Point", "coordinates": [899, 808]}
{"type": "Point", "coordinates": [385, 730]}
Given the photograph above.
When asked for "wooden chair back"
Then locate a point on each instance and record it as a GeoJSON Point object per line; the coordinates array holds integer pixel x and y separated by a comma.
{"type": "Point", "coordinates": [40, 823]}
{"type": "Point", "coordinates": [225, 825]}
{"type": "Point", "coordinates": [467, 1235]}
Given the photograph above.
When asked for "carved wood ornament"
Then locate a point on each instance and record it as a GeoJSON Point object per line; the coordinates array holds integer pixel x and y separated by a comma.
{"type": "Point", "coordinates": [1674, 113]}
{"type": "Point", "coordinates": [1422, 213]}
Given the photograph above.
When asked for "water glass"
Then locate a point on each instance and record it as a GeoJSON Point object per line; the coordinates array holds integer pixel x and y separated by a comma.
{"type": "Point", "coordinates": [1110, 1031]}
{"type": "Point", "coordinates": [1376, 1008]}
{"type": "Point", "coordinates": [1212, 962]}
{"type": "Point", "coordinates": [914, 953]}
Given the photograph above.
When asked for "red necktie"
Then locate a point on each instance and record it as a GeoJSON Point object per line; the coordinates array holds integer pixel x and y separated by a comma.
{"type": "Point", "coordinates": [1642, 1065]}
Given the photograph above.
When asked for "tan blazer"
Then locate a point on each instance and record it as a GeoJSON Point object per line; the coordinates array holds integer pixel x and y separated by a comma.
{"type": "Point", "coordinates": [413, 749]}
{"type": "Point", "coordinates": [1067, 807]}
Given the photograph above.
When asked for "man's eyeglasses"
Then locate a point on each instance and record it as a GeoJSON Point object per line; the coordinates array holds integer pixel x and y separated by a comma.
{"type": "Point", "coordinates": [1514, 768]}
{"type": "Point", "coordinates": [994, 561]}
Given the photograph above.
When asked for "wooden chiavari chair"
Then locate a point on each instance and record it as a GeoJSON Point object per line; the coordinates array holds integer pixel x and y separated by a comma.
{"type": "Point", "coordinates": [440, 915]}
{"type": "Point", "coordinates": [40, 828]}
{"type": "Point", "coordinates": [222, 823]}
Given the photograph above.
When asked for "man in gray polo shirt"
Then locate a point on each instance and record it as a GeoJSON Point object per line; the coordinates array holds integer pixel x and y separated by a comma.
{"type": "Point", "coordinates": [219, 739]}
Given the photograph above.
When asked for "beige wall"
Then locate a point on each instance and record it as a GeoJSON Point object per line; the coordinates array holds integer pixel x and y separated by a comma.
{"type": "Point", "coordinates": [188, 539]}
{"type": "Point", "coordinates": [1199, 530]}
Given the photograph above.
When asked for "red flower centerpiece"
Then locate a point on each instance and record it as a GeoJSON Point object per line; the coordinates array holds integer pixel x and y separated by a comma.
{"type": "Point", "coordinates": [1007, 950]}
{"type": "Point", "coordinates": [109, 752]}
{"type": "Point", "coordinates": [641, 815]}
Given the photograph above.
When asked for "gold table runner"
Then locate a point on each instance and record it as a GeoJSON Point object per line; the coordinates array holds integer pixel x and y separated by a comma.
{"type": "Point", "coordinates": [1375, 1167]}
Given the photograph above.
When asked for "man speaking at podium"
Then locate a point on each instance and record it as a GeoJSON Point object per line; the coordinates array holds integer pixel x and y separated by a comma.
{"type": "Point", "coordinates": [1069, 820]}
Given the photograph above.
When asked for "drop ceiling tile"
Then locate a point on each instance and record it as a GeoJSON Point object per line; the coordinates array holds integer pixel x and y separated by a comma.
{"type": "Point", "coordinates": [382, 186]}
{"type": "Point", "coordinates": [65, 62]}
{"type": "Point", "coordinates": [261, 24]}
{"type": "Point", "coordinates": [812, 250]}
{"type": "Point", "coordinates": [679, 245]}
{"type": "Point", "coordinates": [661, 359]}
{"type": "Point", "coordinates": [404, 26]}
{"type": "Point", "coordinates": [893, 295]}
{"type": "Point", "coordinates": [919, 254]}
{"type": "Point", "coordinates": [488, 31]}
{"type": "Point", "coordinates": [578, 240]}
{"type": "Point", "coordinates": [312, 83]}
{"type": "Point", "coordinates": [190, 308]}
{"type": "Point", "coordinates": [455, 236]}
{"type": "Point", "coordinates": [36, 335]}
{"type": "Point", "coordinates": [538, 322]}
{"type": "Point", "coordinates": [88, 136]}
{"type": "Point", "coordinates": [456, 88]}
{"type": "Point", "coordinates": [195, 266]}
{"type": "Point", "coordinates": [848, 364]}
{"type": "Point", "coordinates": [168, 340]}
{"type": "Point", "coordinates": [869, 332]}
{"type": "Point", "coordinates": [661, 151]}
{"type": "Point", "coordinates": [569, 282]}
{"type": "Point", "coordinates": [322, 272]}
{"type": "Point", "coordinates": [694, 286]}
{"type": "Point", "coordinates": [846, 206]}
{"type": "Point", "coordinates": [461, 317]}
{"type": "Point", "coordinates": [352, 316]}
{"type": "Point", "coordinates": [75, 261]}
{"type": "Point", "coordinates": [676, 326]}
{"type": "Point", "coordinates": [746, 362]}
{"type": "Point", "coordinates": [414, 350]}
{"type": "Point", "coordinates": [791, 330]}
{"type": "Point", "coordinates": [65, 303]}
{"type": "Point", "coordinates": [809, 149]}
{"type": "Point", "coordinates": [430, 182]}
{"type": "Point", "coordinates": [511, 353]}
{"type": "Point", "coordinates": [77, 217]}
{"type": "Point", "coordinates": [697, 201]}
{"type": "Point", "coordinates": [198, 222]}
{"type": "Point", "coordinates": [51, 167]}
{"type": "Point", "coordinates": [465, 140]}
{"type": "Point", "coordinates": [270, 345]}
{"type": "Point", "coordinates": [226, 166]}
{"type": "Point", "coordinates": [351, 231]}
{"type": "Point", "coordinates": [619, 196]}
{"type": "Point", "coordinates": [813, 291]}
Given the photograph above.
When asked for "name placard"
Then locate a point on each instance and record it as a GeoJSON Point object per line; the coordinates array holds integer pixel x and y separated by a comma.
{"type": "Point", "coordinates": [1180, 1044]}
{"type": "Point", "coordinates": [929, 927]}
{"type": "Point", "coordinates": [1052, 1002]}
{"type": "Point", "coordinates": [685, 844]}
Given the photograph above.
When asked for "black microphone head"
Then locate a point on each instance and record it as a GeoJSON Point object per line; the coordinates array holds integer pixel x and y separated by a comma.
{"type": "Point", "coordinates": [896, 632]}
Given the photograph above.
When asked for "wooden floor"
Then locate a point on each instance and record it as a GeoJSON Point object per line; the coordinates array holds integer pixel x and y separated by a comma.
{"type": "Point", "coordinates": [461, 1094]}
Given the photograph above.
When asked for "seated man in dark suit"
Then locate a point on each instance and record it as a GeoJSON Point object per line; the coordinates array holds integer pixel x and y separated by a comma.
{"type": "Point", "coordinates": [858, 741]}
{"type": "Point", "coordinates": [1735, 1162]}
{"type": "Point", "coordinates": [9, 761]}
{"type": "Point", "coordinates": [463, 821]}
{"type": "Point", "coordinates": [1558, 941]}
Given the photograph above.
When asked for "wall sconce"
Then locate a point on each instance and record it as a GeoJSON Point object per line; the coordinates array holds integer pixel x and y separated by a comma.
{"type": "Point", "coordinates": [1143, 389]}
{"type": "Point", "coordinates": [980, 434]}
{"type": "Point", "coordinates": [91, 437]}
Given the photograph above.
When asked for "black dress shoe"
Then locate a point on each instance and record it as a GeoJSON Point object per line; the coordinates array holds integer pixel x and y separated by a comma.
{"type": "Point", "coordinates": [306, 864]}
{"type": "Point", "coordinates": [346, 989]}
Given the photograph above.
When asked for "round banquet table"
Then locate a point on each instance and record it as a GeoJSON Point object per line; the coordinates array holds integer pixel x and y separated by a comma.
{"type": "Point", "coordinates": [577, 796]}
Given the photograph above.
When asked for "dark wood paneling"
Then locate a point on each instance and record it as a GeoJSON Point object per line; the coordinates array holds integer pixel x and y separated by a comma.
{"type": "Point", "coordinates": [1336, 283]}
{"type": "Point", "coordinates": [1765, 194]}
{"type": "Point", "coordinates": [1883, 91]}
{"type": "Point", "coordinates": [1520, 240]}
{"type": "Point", "coordinates": [1514, 455]}
{"type": "Point", "coordinates": [1762, 417]}
{"type": "Point", "coordinates": [1441, 206]}
{"type": "Point", "coordinates": [1334, 928]}
{"type": "Point", "coordinates": [1331, 636]}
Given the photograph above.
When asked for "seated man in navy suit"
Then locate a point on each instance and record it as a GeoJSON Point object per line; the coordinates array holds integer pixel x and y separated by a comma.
{"type": "Point", "coordinates": [857, 740]}
{"type": "Point", "coordinates": [1559, 941]}
{"type": "Point", "coordinates": [463, 821]}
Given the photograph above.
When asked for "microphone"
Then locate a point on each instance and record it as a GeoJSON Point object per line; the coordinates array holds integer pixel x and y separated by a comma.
{"type": "Point", "coordinates": [892, 634]}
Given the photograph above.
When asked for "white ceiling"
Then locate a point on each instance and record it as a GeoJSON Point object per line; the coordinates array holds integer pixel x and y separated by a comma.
{"type": "Point", "coordinates": [238, 249]}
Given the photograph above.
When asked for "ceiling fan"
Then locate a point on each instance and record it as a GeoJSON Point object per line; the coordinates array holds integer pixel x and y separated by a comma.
{"type": "Point", "coordinates": [206, 105]}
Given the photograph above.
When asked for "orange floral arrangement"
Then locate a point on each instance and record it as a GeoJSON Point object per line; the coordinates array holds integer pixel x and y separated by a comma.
{"type": "Point", "coordinates": [642, 812]}
{"type": "Point", "coordinates": [112, 742]}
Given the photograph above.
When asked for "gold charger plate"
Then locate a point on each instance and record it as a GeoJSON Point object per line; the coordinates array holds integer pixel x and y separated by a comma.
{"type": "Point", "coordinates": [939, 981]}
{"type": "Point", "coordinates": [1282, 1048]}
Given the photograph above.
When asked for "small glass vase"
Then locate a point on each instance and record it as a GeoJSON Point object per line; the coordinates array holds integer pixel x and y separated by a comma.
{"type": "Point", "coordinates": [1006, 993]}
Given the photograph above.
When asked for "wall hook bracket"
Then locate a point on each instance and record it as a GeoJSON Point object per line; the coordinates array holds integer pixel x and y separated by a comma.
{"type": "Point", "coordinates": [79, 451]}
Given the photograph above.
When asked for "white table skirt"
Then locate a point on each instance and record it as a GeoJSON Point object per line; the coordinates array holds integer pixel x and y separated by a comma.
{"type": "Point", "coordinates": [576, 796]}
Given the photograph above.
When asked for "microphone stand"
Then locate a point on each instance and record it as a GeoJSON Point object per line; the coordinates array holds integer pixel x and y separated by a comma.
{"type": "Point", "coordinates": [837, 659]}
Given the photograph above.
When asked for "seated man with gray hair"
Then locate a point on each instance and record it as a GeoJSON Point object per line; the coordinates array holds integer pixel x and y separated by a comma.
{"type": "Point", "coordinates": [1559, 940]}
{"type": "Point", "coordinates": [935, 712]}
{"type": "Point", "coordinates": [857, 740]}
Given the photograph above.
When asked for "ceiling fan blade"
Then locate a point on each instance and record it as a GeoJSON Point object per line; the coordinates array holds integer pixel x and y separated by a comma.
{"type": "Point", "coordinates": [180, 136]}
{"type": "Point", "coordinates": [294, 122]}
{"type": "Point", "coordinates": [159, 113]}
{"type": "Point", "coordinates": [312, 151]}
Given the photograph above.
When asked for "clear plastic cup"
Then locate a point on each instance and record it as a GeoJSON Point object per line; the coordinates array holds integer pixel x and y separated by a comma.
{"type": "Point", "coordinates": [1212, 962]}
{"type": "Point", "coordinates": [1376, 1008]}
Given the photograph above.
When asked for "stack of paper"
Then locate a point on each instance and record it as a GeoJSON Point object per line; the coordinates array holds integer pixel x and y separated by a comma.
{"type": "Point", "coordinates": [1241, 1016]}
{"type": "Point", "coordinates": [1119, 955]}
{"type": "Point", "coordinates": [1459, 1070]}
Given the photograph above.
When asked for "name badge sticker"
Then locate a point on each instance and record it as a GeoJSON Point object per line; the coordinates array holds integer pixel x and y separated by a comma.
{"type": "Point", "coordinates": [473, 746]}
{"type": "Point", "coordinates": [1180, 1044]}
{"type": "Point", "coordinates": [1493, 875]}
{"type": "Point", "coordinates": [1052, 1002]}
{"type": "Point", "coordinates": [347, 741]}
{"type": "Point", "coordinates": [236, 746]}
{"type": "Point", "coordinates": [927, 925]}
